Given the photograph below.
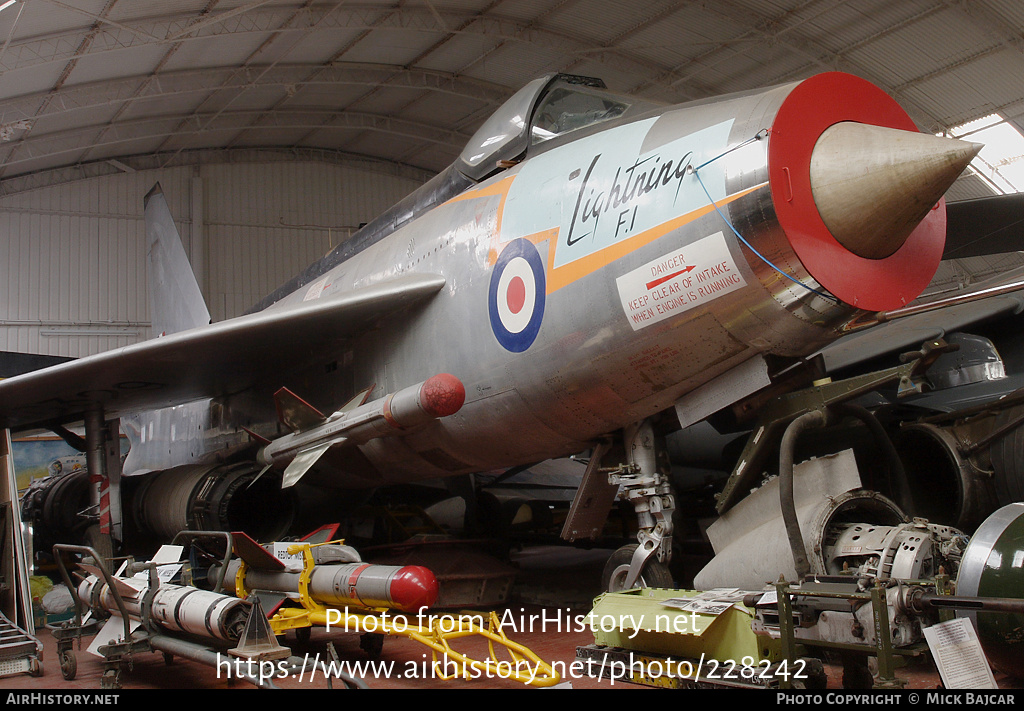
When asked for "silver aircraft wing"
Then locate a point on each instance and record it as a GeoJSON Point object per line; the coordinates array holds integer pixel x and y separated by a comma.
{"type": "Point", "coordinates": [221, 359]}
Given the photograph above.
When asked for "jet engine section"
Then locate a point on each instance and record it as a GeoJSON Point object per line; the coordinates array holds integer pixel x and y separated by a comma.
{"type": "Point", "coordinates": [900, 567]}
{"type": "Point", "coordinates": [58, 507]}
{"type": "Point", "coordinates": [753, 544]}
{"type": "Point", "coordinates": [1007, 455]}
{"type": "Point", "coordinates": [909, 551]}
{"type": "Point", "coordinates": [952, 481]}
{"type": "Point", "coordinates": [963, 461]}
{"type": "Point", "coordinates": [214, 497]}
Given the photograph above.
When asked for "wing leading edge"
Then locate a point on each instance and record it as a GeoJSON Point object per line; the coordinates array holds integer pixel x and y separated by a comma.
{"type": "Point", "coordinates": [216, 360]}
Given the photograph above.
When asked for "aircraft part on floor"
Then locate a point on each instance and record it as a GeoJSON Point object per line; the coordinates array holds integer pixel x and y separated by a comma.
{"type": "Point", "coordinates": [993, 565]}
{"type": "Point", "coordinates": [750, 541]}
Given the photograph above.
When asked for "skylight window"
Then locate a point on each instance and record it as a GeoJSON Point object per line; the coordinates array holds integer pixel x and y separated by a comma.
{"type": "Point", "coordinates": [1001, 162]}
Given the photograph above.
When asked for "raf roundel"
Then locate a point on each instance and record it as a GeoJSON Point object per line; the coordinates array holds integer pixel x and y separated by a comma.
{"type": "Point", "coordinates": [515, 300]}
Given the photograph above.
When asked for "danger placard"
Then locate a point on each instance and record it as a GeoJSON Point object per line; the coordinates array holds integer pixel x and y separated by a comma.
{"type": "Point", "coordinates": [679, 281]}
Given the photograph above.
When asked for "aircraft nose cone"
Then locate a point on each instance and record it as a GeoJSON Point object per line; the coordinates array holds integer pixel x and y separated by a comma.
{"type": "Point", "coordinates": [873, 185]}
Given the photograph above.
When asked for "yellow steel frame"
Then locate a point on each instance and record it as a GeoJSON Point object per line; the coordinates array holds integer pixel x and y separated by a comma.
{"type": "Point", "coordinates": [523, 666]}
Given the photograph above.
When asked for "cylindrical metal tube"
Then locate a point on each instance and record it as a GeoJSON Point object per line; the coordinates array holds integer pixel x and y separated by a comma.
{"type": "Point", "coordinates": [197, 653]}
{"type": "Point", "coordinates": [810, 420]}
{"type": "Point", "coordinates": [177, 608]}
{"type": "Point", "coordinates": [408, 588]}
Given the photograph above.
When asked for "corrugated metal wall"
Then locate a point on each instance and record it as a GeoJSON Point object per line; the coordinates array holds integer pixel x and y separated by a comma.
{"type": "Point", "coordinates": [73, 256]}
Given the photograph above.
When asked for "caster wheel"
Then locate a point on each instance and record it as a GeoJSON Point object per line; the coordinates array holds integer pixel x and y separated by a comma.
{"type": "Point", "coordinates": [111, 679]}
{"type": "Point", "coordinates": [372, 644]}
{"type": "Point", "coordinates": [68, 664]}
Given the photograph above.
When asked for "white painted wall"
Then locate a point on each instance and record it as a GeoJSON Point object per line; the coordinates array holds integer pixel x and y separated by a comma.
{"type": "Point", "coordinates": [73, 256]}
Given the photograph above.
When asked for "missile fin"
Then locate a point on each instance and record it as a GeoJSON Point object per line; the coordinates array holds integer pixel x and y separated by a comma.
{"type": "Point", "coordinates": [359, 399]}
{"type": "Point", "coordinates": [257, 437]}
{"type": "Point", "coordinates": [327, 532]}
{"type": "Point", "coordinates": [303, 461]}
{"type": "Point", "coordinates": [255, 556]}
{"type": "Point", "coordinates": [256, 478]}
{"type": "Point", "coordinates": [295, 413]}
{"type": "Point", "coordinates": [123, 587]}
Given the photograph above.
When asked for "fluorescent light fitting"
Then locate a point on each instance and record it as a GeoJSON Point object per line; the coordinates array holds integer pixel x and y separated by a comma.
{"type": "Point", "coordinates": [7, 5]}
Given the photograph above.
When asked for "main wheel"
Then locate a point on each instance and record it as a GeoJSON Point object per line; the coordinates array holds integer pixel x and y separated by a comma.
{"type": "Point", "coordinates": [655, 574]}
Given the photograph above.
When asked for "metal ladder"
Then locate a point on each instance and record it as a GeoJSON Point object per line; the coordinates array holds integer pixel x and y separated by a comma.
{"type": "Point", "coordinates": [20, 652]}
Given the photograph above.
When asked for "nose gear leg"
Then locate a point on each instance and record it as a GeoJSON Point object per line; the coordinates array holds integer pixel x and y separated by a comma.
{"type": "Point", "coordinates": [649, 490]}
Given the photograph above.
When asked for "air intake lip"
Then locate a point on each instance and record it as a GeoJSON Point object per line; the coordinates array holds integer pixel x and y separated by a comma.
{"type": "Point", "coordinates": [873, 282]}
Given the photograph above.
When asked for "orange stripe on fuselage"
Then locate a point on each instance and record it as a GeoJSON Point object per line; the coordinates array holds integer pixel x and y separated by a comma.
{"type": "Point", "coordinates": [558, 277]}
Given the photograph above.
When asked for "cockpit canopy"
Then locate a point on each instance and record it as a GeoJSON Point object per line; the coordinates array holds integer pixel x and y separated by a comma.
{"type": "Point", "coordinates": [543, 109]}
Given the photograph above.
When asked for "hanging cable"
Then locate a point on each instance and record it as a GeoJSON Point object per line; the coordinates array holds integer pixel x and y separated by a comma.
{"type": "Point", "coordinates": [696, 172]}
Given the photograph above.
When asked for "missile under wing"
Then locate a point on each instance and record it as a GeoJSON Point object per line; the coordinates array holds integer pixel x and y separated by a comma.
{"type": "Point", "coordinates": [590, 267]}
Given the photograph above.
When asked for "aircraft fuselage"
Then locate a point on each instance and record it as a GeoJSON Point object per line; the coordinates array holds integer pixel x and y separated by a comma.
{"type": "Point", "coordinates": [594, 283]}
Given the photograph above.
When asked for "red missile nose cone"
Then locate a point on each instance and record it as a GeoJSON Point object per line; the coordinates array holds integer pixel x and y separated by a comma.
{"type": "Point", "coordinates": [413, 588]}
{"type": "Point", "coordinates": [443, 395]}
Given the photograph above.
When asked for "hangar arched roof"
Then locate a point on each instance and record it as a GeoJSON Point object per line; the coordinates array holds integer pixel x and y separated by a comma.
{"type": "Point", "coordinates": [94, 86]}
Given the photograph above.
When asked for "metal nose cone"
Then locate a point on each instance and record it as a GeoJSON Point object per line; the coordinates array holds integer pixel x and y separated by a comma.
{"type": "Point", "coordinates": [873, 185]}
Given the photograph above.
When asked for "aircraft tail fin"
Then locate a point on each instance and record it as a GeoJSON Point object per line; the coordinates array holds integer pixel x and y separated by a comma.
{"type": "Point", "coordinates": [175, 300]}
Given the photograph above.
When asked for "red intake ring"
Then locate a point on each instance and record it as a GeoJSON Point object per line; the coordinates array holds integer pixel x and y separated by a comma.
{"type": "Point", "coordinates": [870, 284]}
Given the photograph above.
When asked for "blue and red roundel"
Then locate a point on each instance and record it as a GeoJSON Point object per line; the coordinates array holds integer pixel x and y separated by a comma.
{"type": "Point", "coordinates": [515, 300]}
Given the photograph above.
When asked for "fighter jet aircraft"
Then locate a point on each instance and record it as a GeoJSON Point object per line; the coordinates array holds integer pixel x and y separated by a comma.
{"type": "Point", "coordinates": [592, 269]}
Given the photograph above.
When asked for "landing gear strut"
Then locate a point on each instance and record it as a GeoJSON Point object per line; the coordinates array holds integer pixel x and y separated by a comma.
{"type": "Point", "coordinates": [643, 484]}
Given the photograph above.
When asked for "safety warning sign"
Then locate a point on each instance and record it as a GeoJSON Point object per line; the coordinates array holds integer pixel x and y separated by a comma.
{"type": "Point", "coordinates": [679, 281]}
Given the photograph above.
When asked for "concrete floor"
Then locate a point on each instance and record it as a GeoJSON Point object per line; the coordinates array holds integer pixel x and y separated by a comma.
{"type": "Point", "coordinates": [553, 584]}
{"type": "Point", "coordinates": [550, 586]}
{"type": "Point", "coordinates": [402, 664]}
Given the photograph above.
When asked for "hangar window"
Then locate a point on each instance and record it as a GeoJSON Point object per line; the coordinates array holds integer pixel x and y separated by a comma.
{"type": "Point", "coordinates": [1001, 162]}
